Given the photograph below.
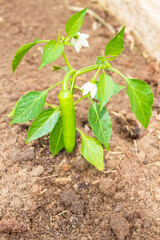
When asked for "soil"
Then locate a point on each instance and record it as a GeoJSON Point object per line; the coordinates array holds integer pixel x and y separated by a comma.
{"type": "Point", "coordinates": [46, 198]}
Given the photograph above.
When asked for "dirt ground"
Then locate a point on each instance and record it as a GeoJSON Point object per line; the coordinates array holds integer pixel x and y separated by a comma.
{"type": "Point", "coordinates": [46, 198]}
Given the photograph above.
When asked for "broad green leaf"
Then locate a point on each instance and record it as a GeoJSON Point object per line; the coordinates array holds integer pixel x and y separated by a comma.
{"type": "Point", "coordinates": [51, 51]}
{"type": "Point", "coordinates": [56, 68]}
{"type": "Point", "coordinates": [56, 138]}
{"type": "Point", "coordinates": [115, 46]}
{"type": "Point", "coordinates": [100, 123]}
{"type": "Point", "coordinates": [75, 22]}
{"type": "Point", "coordinates": [141, 100]}
{"type": "Point", "coordinates": [92, 151]}
{"type": "Point", "coordinates": [22, 51]}
{"type": "Point", "coordinates": [43, 124]}
{"type": "Point", "coordinates": [11, 114]}
{"type": "Point", "coordinates": [29, 107]}
{"type": "Point", "coordinates": [106, 89]}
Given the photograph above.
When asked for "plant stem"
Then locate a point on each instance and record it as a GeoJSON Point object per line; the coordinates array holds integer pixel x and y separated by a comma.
{"type": "Point", "coordinates": [50, 105]}
{"type": "Point", "coordinates": [90, 99]}
{"type": "Point", "coordinates": [44, 40]}
{"type": "Point", "coordinates": [103, 70]}
{"type": "Point", "coordinates": [79, 131]}
{"type": "Point", "coordinates": [115, 70]}
{"type": "Point", "coordinates": [96, 74]}
{"type": "Point", "coordinates": [54, 86]}
{"type": "Point", "coordinates": [73, 82]}
{"type": "Point", "coordinates": [80, 99]}
{"type": "Point", "coordinates": [77, 87]}
{"type": "Point", "coordinates": [66, 60]}
{"type": "Point", "coordinates": [87, 69]}
{"type": "Point", "coordinates": [66, 79]}
{"type": "Point", "coordinates": [82, 91]}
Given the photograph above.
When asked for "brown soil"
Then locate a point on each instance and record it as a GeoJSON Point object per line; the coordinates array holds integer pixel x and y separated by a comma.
{"type": "Point", "coordinates": [46, 198]}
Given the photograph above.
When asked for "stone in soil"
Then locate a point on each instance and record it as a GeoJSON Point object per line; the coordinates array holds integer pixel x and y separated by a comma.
{"type": "Point", "coordinates": [120, 226]}
{"type": "Point", "coordinates": [108, 186]}
{"type": "Point", "coordinates": [12, 225]}
{"type": "Point", "coordinates": [37, 171]}
{"type": "Point", "coordinates": [70, 199]}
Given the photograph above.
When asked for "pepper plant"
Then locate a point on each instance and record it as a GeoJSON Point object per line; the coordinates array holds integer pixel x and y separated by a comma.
{"type": "Point", "coordinates": [60, 121]}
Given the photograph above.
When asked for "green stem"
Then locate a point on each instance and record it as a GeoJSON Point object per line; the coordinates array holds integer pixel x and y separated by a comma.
{"type": "Point", "coordinates": [96, 74]}
{"type": "Point", "coordinates": [67, 39]}
{"type": "Point", "coordinates": [66, 61]}
{"type": "Point", "coordinates": [90, 99]}
{"type": "Point", "coordinates": [44, 40]}
{"type": "Point", "coordinates": [54, 86]}
{"type": "Point", "coordinates": [59, 35]}
{"type": "Point", "coordinates": [79, 131]}
{"type": "Point", "coordinates": [66, 79]}
{"type": "Point", "coordinates": [80, 99]}
{"type": "Point", "coordinates": [78, 88]}
{"type": "Point", "coordinates": [73, 82]}
{"type": "Point", "coordinates": [50, 105]}
{"type": "Point", "coordinates": [87, 69]}
{"type": "Point", "coordinates": [82, 91]}
{"type": "Point", "coordinates": [115, 70]}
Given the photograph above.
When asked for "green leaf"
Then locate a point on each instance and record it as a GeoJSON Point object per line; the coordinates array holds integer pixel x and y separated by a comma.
{"type": "Point", "coordinates": [11, 114]}
{"type": "Point", "coordinates": [43, 124]}
{"type": "Point", "coordinates": [22, 51]}
{"type": "Point", "coordinates": [29, 107]}
{"type": "Point", "coordinates": [106, 89]}
{"type": "Point", "coordinates": [56, 68]}
{"type": "Point", "coordinates": [100, 123]}
{"type": "Point", "coordinates": [51, 51]}
{"type": "Point", "coordinates": [141, 100]}
{"type": "Point", "coordinates": [56, 138]}
{"type": "Point", "coordinates": [111, 58]}
{"type": "Point", "coordinates": [92, 151]}
{"type": "Point", "coordinates": [100, 61]}
{"type": "Point", "coordinates": [115, 46]}
{"type": "Point", "coordinates": [75, 22]}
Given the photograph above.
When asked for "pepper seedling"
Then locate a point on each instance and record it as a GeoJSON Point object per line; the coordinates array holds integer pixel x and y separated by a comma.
{"type": "Point", "coordinates": [60, 121]}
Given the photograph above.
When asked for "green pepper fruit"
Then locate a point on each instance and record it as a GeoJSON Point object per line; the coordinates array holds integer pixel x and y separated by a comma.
{"type": "Point", "coordinates": [68, 119]}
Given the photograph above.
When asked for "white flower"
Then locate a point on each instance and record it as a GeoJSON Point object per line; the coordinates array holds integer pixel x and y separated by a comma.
{"type": "Point", "coordinates": [89, 87]}
{"type": "Point", "coordinates": [80, 41]}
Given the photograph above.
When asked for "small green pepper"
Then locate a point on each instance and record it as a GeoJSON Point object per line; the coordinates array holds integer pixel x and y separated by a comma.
{"type": "Point", "coordinates": [68, 119]}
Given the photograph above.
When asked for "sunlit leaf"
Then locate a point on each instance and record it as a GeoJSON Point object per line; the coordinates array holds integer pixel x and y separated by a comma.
{"type": "Point", "coordinates": [29, 106]}
{"type": "Point", "coordinates": [51, 51]}
{"type": "Point", "coordinates": [100, 123]}
{"type": "Point", "coordinates": [75, 22]}
{"type": "Point", "coordinates": [141, 100]}
{"type": "Point", "coordinates": [43, 124]}
{"type": "Point", "coordinates": [56, 138]}
{"type": "Point", "coordinates": [92, 151]}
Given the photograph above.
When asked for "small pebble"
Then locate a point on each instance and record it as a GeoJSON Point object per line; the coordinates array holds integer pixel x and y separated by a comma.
{"type": "Point", "coordinates": [120, 226]}
{"type": "Point", "coordinates": [37, 171]}
{"type": "Point", "coordinates": [28, 154]}
{"type": "Point", "coordinates": [108, 186]}
{"type": "Point", "coordinates": [83, 185]}
{"type": "Point", "coordinates": [147, 223]}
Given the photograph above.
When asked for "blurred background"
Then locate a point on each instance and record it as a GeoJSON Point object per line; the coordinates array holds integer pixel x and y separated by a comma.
{"type": "Point", "coordinates": [142, 17]}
